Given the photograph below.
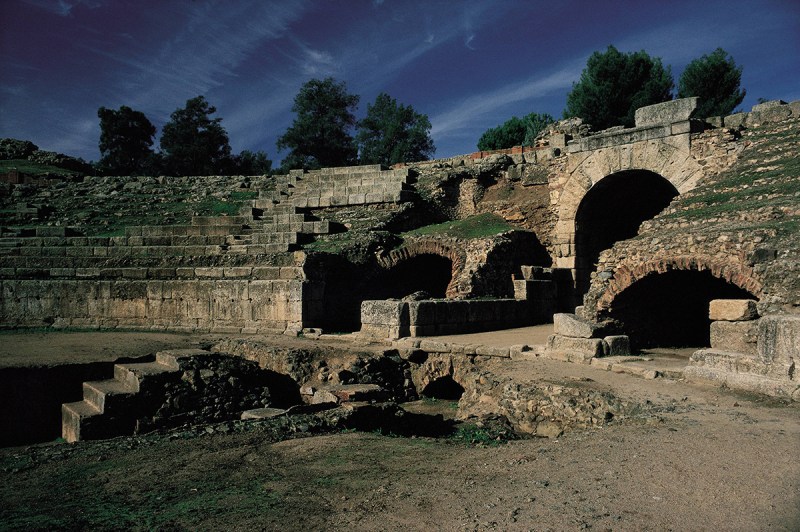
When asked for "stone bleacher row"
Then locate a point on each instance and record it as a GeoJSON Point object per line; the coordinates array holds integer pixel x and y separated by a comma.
{"type": "Point", "coordinates": [360, 185]}
{"type": "Point", "coordinates": [273, 223]}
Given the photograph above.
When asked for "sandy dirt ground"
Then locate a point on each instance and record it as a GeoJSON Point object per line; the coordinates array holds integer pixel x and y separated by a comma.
{"type": "Point", "coordinates": [701, 459]}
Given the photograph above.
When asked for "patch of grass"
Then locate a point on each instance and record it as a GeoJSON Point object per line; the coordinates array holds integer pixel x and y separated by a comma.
{"type": "Point", "coordinates": [473, 435]}
{"type": "Point", "coordinates": [217, 207]}
{"type": "Point", "coordinates": [244, 195]}
{"type": "Point", "coordinates": [25, 166]}
{"type": "Point", "coordinates": [478, 226]}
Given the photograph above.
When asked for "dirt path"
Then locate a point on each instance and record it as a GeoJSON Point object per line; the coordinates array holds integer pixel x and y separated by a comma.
{"type": "Point", "coordinates": [704, 459]}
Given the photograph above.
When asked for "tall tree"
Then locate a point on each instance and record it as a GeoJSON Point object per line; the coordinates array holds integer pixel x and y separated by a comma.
{"type": "Point", "coordinates": [514, 132]}
{"type": "Point", "coordinates": [321, 132]}
{"type": "Point", "coordinates": [126, 137]}
{"type": "Point", "coordinates": [715, 80]}
{"type": "Point", "coordinates": [613, 85]}
{"type": "Point", "coordinates": [393, 133]}
{"type": "Point", "coordinates": [509, 133]}
{"type": "Point", "coordinates": [194, 143]}
{"type": "Point", "coordinates": [251, 163]}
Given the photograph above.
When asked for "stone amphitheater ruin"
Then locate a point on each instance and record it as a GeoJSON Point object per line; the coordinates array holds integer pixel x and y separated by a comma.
{"type": "Point", "coordinates": [679, 232]}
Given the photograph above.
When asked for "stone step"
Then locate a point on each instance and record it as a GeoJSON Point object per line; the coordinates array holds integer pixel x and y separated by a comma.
{"type": "Point", "coordinates": [73, 416]}
{"type": "Point", "coordinates": [132, 375]}
{"type": "Point", "coordinates": [274, 238]}
{"type": "Point", "coordinates": [108, 408]}
{"type": "Point", "coordinates": [321, 227]}
{"type": "Point", "coordinates": [277, 248]}
{"type": "Point", "coordinates": [219, 220]}
{"type": "Point", "coordinates": [726, 361]}
{"type": "Point", "coordinates": [100, 393]}
{"type": "Point", "coordinates": [262, 413]}
{"type": "Point", "coordinates": [266, 202]}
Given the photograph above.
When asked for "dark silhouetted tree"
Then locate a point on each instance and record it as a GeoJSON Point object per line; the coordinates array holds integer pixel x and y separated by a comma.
{"type": "Point", "coordinates": [126, 138]}
{"type": "Point", "coordinates": [393, 133]}
{"type": "Point", "coordinates": [321, 132]}
{"type": "Point", "coordinates": [251, 163]}
{"type": "Point", "coordinates": [715, 80]}
{"type": "Point", "coordinates": [514, 132]}
{"type": "Point", "coordinates": [193, 143]}
{"type": "Point", "coordinates": [613, 85]}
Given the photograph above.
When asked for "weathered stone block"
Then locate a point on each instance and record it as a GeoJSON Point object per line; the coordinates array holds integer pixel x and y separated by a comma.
{"type": "Point", "coordinates": [388, 314]}
{"type": "Point", "coordinates": [572, 326]}
{"type": "Point", "coordinates": [779, 339]}
{"type": "Point", "coordinates": [590, 346]}
{"type": "Point", "coordinates": [736, 120]}
{"type": "Point", "coordinates": [666, 112]}
{"type": "Point", "coordinates": [617, 345]}
{"type": "Point", "coordinates": [735, 336]}
{"type": "Point", "coordinates": [732, 309]}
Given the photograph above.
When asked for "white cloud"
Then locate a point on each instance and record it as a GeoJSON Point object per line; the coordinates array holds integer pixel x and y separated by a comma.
{"type": "Point", "coordinates": [202, 54]}
{"type": "Point", "coordinates": [470, 110]}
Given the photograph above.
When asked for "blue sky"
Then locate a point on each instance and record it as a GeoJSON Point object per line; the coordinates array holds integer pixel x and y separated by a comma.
{"type": "Point", "coordinates": [468, 65]}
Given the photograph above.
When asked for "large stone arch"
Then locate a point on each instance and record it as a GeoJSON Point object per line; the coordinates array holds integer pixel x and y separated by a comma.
{"type": "Point", "coordinates": [664, 302]}
{"type": "Point", "coordinates": [422, 247]}
{"type": "Point", "coordinates": [667, 157]}
{"type": "Point", "coordinates": [626, 273]}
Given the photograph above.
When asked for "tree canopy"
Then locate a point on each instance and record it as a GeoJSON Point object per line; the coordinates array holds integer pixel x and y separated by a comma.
{"type": "Point", "coordinates": [321, 132]}
{"type": "Point", "coordinates": [251, 163]}
{"type": "Point", "coordinates": [193, 143]}
{"type": "Point", "coordinates": [715, 80]}
{"type": "Point", "coordinates": [393, 133]}
{"type": "Point", "coordinates": [514, 132]}
{"type": "Point", "coordinates": [614, 84]}
{"type": "Point", "coordinates": [126, 137]}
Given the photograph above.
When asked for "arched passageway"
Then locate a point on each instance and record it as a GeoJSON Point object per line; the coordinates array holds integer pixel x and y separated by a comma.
{"type": "Point", "coordinates": [612, 210]}
{"type": "Point", "coordinates": [444, 388]}
{"type": "Point", "coordinates": [425, 272]}
{"type": "Point", "coordinates": [671, 309]}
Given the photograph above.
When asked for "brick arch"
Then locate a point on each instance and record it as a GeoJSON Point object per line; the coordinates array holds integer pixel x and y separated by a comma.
{"type": "Point", "coordinates": [626, 274]}
{"type": "Point", "coordinates": [586, 169]}
{"type": "Point", "coordinates": [388, 260]}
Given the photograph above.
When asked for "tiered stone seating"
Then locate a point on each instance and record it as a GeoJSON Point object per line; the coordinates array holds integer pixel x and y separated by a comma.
{"type": "Point", "coordinates": [354, 185]}
{"type": "Point", "coordinates": [278, 221]}
{"type": "Point", "coordinates": [168, 276]}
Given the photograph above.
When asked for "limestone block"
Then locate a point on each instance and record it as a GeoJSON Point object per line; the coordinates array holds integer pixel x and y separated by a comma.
{"type": "Point", "coordinates": [617, 345]}
{"type": "Point", "coordinates": [572, 326]}
{"type": "Point", "coordinates": [666, 112]}
{"type": "Point", "coordinates": [735, 120]}
{"type": "Point", "coordinates": [732, 309]}
{"type": "Point", "coordinates": [735, 336]}
{"type": "Point", "coordinates": [384, 312]}
{"type": "Point", "coordinates": [779, 339]}
{"type": "Point", "coordinates": [590, 346]}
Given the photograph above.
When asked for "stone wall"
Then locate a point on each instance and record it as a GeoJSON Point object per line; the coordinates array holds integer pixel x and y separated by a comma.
{"type": "Point", "coordinates": [396, 319]}
{"type": "Point", "coordinates": [240, 302]}
{"type": "Point", "coordinates": [750, 353]}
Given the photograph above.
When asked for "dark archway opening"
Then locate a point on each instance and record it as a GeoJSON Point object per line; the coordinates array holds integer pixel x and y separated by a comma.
{"type": "Point", "coordinates": [428, 273]}
{"type": "Point", "coordinates": [671, 309]}
{"type": "Point", "coordinates": [444, 388]}
{"type": "Point", "coordinates": [611, 211]}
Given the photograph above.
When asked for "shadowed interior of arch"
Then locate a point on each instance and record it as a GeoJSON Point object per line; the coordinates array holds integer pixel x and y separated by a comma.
{"type": "Point", "coordinates": [612, 210]}
{"type": "Point", "coordinates": [425, 272]}
{"type": "Point", "coordinates": [444, 388]}
{"type": "Point", "coordinates": [671, 309]}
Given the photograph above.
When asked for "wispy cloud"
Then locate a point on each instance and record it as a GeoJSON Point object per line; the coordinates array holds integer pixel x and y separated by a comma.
{"type": "Point", "coordinates": [62, 7]}
{"type": "Point", "coordinates": [472, 109]}
{"type": "Point", "coordinates": [203, 54]}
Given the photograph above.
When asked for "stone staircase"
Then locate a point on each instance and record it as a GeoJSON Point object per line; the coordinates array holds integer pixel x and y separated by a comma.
{"type": "Point", "coordinates": [112, 407]}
